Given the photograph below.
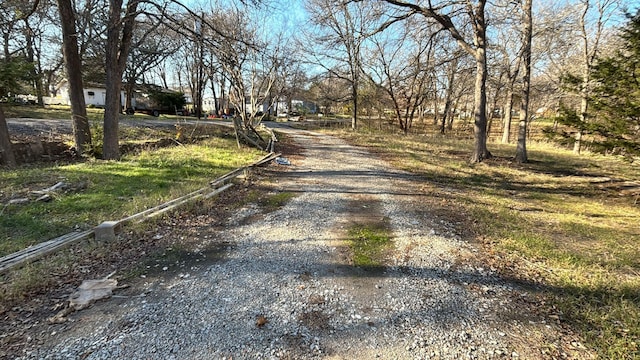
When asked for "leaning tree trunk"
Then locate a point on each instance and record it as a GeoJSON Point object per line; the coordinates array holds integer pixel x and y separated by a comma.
{"type": "Point", "coordinates": [7, 158]}
{"type": "Point", "coordinates": [73, 66]}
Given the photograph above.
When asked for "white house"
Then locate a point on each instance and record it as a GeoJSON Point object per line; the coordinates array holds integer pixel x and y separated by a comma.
{"type": "Point", "coordinates": [94, 95]}
{"type": "Point", "coordinates": [297, 105]}
{"type": "Point", "coordinates": [209, 106]}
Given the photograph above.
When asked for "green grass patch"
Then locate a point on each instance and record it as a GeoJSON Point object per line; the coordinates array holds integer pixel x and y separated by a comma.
{"type": "Point", "coordinates": [369, 245]}
{"type": "Point", "coordinates": [64, 112]}
{"type": "Point", "coordinates": [108, 190]}
{"type": "Point", "coordinates": [49, 112]}
{"type": "Point", "coordinates": [270, 201]}
{"type": "Point", "coordinates": [275, 201]}
{"type": "Point", "coordinates": [565, 215]}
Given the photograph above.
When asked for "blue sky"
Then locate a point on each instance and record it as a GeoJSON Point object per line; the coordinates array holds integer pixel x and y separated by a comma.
{"type": "Point", "coordinates": [289, 15]}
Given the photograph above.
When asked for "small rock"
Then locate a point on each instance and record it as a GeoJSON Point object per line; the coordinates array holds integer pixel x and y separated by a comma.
{"type": "Point", "coordinates": [261, 321]}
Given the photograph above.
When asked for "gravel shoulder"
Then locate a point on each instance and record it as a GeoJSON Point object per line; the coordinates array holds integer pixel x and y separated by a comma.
{"type": "Point", "coordinates": [280, 285]}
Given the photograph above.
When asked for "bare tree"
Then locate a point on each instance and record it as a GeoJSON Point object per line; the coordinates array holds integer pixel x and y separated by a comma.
{"type": "Point", "coordinates": [444, 13]}
{"type": "Point", "coordinates": [251, 66]}
{"type": "Point", "coordinates": [339, 37]}
{"type": "Point", "coordinates": [194, 58]}
{"type": "Point", "coordinates": [454, 71]}
{"type": "Point", "coordinates": [152, 44]}
{"type": "Point", "coordinates": [290, 80]}
{"type": "Point", "coordinates": [330, 91]}
{"type": "Point", "coordinates": [120, 31]}
{"type": "Point", "coordinates": [506, 51]}
{"type": "Point", "coordinates": [511, 69]}
{"type": "Point", "coordinates": [401, 64]}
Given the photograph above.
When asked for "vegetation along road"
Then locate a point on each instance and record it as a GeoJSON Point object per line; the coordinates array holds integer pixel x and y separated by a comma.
{"type": "Point", "coordinates": [462, 179]}
{"type": "Point", "coordinates": [354, 260]}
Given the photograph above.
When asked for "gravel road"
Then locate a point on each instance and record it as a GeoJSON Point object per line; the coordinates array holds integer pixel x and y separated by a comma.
{"type": "Point", "coordinates": [282, 287]}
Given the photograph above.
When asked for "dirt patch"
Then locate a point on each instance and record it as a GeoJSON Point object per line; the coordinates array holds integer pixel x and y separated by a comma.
{"type": "Point", "coordinates": [315, 319]}
{"type": "Point", "coordinates": [41, 151]}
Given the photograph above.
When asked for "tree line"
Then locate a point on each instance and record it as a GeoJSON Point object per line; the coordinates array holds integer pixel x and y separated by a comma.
{"type": "Point", "coordinates": [399, 58]}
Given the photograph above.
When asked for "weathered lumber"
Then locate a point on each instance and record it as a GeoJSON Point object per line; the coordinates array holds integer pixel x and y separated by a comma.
{"type": "Point", "coordinates": [37, 251]}
{"type": "Point", "coordinates": [33, 253]}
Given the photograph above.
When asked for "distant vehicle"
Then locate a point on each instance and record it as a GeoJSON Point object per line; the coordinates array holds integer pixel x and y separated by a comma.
{"type": "Point", "coordinates": [295, 116]}
{"type": "Point", "coordinates": [158, 101]}
{"type": "Point", "coordinates": [157, 110]}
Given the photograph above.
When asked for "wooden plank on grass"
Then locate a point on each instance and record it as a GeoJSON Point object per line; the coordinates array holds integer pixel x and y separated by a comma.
{"type": "Point", "coordinates": [32, 253]}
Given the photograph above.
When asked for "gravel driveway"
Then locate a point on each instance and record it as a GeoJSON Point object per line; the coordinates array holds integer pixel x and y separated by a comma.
{"type": "Point", "coordinates": [282, 286]}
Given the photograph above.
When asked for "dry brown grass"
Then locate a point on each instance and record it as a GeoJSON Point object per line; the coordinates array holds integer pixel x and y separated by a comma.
{"type": "Point", "coordinates": [567, 223]}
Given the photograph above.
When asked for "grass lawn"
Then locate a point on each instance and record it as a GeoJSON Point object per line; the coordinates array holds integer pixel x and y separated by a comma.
{"type": "Point", "coordinates": [108, 190]}
{"type": "Point", "coordinates": [563, 221]}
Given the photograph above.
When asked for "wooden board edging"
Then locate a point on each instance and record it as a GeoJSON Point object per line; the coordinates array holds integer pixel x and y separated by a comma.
{"type": "Point", "coordinates": [37, 251]}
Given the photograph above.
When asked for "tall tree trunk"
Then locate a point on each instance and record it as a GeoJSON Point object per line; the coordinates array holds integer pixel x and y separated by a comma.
{"type": "Point", "coordinates": [129, 88]}
{"type": "Point", "coordinates": [480, 151]}
{"type": "Point", "coordinates": [5, 46]}
{"type": "Point", "coordinates": [119, 37]}
{"type": "Point", "coordinates": [445, 115]}
{"type": "Point", "coordinates": [223, 97]}
{"type": "Point", "coordinates": [508, 109]}
{"type": "Point", "coordinates": [436, 105]}
{"type": "Point", "coordinates": [216, 107]}
{"type": "Point", "coordinates": [453, 67]}
{"type": "Point", "coordinates": [354, 94]}
{"type": "Point", "coordinates": [36, 70]}
{"type": "Point", "coordinates": [7, 158]}
{"type": "Point", "coordinates": [584, 117]}
{"type": "Point", "coordinates": [200, 75]}
{"type": "Point", "coordinates": [73, 67]}
{"type": "Point", "coordinates": [521, 148]}
{"type": "Point", "coordinates": [111, 149]}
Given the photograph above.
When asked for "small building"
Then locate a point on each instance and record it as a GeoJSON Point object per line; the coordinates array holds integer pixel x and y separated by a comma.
{"type": "Point", "coordinates": [95, 95]}
{"type": "Point", "coordinates": [302, 106]}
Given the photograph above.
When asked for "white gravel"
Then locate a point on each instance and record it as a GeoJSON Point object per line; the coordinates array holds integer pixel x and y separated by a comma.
{"type": "Point", "coordinates": [285, 266]}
